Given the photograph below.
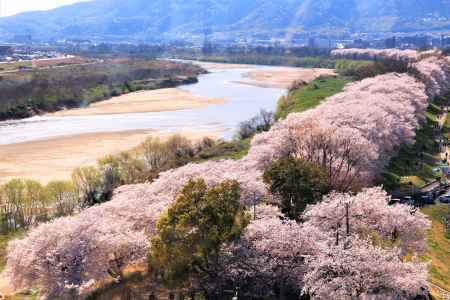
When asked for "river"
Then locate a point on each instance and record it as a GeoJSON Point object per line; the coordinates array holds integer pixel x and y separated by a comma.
{"type": "Point", "coordinates": [243, 101]}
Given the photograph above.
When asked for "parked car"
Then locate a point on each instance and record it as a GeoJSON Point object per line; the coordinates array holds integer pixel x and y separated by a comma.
{"type": "Point", "coordinates": [394, 201]}
{"type": "Point", "coordinates": [427, 199]}
{"type": "Point", "coordinates": [444, 199]}
{"type": "Point", "coordinates": [407, 200]}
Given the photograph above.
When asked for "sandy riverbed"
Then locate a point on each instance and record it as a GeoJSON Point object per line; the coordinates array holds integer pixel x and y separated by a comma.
{"type": "Point", "coordinates": [56, 158]}
{"type": "Point", "coordinates": [143, 101]}
{"type": "Point", "coordinates": [276, 77]}
{"type": "Point", "coordinates": [283, 77]}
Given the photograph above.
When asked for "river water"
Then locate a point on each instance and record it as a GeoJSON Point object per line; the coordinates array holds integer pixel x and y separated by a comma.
{"type": "Point", "coordinates": [243, 102]}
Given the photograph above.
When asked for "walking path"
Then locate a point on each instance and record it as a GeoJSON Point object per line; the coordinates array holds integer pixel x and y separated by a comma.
{"type": "Point", "coordinates": [445, 295]}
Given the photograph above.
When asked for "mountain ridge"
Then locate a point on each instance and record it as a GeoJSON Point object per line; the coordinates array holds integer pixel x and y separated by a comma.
{"type": "Point", "coordinates": [163, 19]}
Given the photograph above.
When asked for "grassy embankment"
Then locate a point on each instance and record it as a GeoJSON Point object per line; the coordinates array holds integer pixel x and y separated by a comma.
{"type": "Point", "coordinates": [310, 95]}
{"type": "Point", "coordinates": [438, 246]}
{"type": "Point", "coordinates": [24, 94]}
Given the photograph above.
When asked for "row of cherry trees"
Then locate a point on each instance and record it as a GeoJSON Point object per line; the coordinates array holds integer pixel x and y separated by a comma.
{"type": "Point", "coordinates": [352, 135]}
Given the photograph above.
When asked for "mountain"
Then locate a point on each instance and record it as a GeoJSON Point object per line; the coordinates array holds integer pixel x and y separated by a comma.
{"type": "Point", "coordinates": [159, 19]}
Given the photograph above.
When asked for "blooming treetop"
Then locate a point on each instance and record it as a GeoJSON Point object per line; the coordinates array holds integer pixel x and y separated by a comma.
{"type": "Point", "coordinates": [363, 271]}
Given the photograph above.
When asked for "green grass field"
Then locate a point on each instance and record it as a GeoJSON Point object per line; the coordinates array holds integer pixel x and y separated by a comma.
{"type": "Point", "coordinates": [438, 246]}
{"type": "Point", "coordinates": [310, 96]}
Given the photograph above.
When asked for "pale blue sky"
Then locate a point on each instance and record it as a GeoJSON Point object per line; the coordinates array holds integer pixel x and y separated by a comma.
{"type": "Point", "coordinates": [11, 7]}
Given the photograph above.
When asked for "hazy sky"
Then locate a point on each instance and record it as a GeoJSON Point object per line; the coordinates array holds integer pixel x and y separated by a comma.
{"type": "Point", "coordinates": [11, 7]}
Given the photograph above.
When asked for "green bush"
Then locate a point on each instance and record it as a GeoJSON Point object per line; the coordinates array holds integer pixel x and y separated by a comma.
{"type": "Point", "coordinates": [88, 185]}
{"type": "Point", "coordinates": [296, 183]}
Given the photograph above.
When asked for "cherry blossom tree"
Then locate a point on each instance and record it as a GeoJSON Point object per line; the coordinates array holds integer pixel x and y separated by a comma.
{"type": "Point", "coordinates": [368, 214]}
{"type": "Point", "coordinates": [270, 257]}
{"type": "Point", "coordinates": [377, 115]}
{"type": "Point", "coordinates": [363, 271]}
{"type": "Point", "coordinates": [342, 153]}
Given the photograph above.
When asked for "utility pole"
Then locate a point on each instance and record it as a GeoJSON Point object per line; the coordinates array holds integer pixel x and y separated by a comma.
{"type": "Point", "coordinates": [347, 219]}
{"type": "Point", "coordinates": [207, 46]}
{"type": "Point", "coordinates": [337, 233]}
{"type": "Point", "coordinates": [254, 208]}
{"type": "Point", "coordinates": [347, 225]}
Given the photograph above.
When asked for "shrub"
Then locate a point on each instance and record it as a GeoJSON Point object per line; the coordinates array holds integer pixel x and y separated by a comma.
{"type": "Point", "coordinates": [63, 196]}
{"type": "Point", "coordinates": [204, 144]}
{"type": "Point", "coordinates": [296, 183]}
{"type": "Point", "coordinates": [261, 122]}
{"type": "Point", "coordinates": [88, 184]}
{"type": "Point", "coordinates": [25, 204]}
{"type": "Point", "coordinates": [180, 150]}
{"type": "Point", "coordinates": [155, 154]}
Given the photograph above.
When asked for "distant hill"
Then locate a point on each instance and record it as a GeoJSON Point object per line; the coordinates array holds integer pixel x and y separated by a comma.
{"type": "Point", "coordinates": [159, 19]}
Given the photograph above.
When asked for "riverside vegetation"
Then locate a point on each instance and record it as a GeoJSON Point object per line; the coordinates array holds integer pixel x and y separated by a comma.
{"type": "Point", "coordinates": [27, 93]}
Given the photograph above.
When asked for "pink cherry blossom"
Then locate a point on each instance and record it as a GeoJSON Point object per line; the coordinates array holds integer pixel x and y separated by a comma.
{"type": "Point", "coordinates": [370, 214]}
{"type": "Point", "coordinates": [363, 271]}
